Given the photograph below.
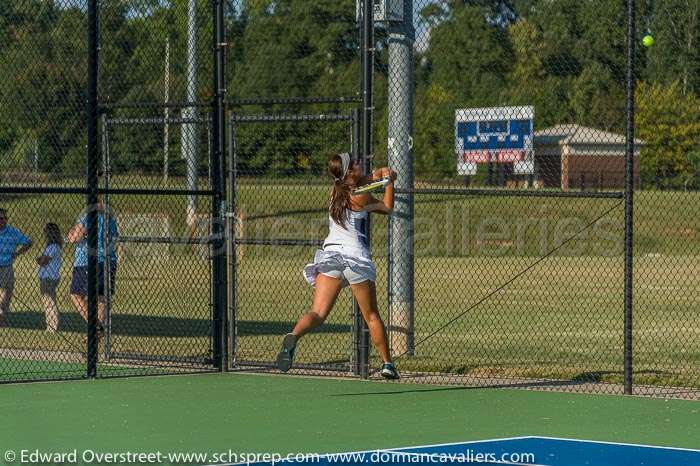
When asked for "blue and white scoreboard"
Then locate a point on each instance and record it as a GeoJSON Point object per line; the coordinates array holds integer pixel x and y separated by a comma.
{"type": "Point", "coordinates": [496, 135]}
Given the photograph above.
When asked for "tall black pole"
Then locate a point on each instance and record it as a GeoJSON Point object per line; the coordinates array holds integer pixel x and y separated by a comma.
{"type": "Point", "coordinates": [367, 75]}
{"type": "Point", "coordinates": [629, 195]}
{"type": "Point", "coordinates": [366, 153]}
{"type": "Point", "coordinates": [217, 164]}
{"type": "Point", "coordinates": [358, 323]}
{"type": "Point", "coordinates": [91, 182]}
{"type": "Point", "coordinates": [232, 224]}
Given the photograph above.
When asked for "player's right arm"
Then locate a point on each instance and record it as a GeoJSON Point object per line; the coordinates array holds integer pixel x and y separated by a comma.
{"type": "Point", "coordinates": [366, 201]}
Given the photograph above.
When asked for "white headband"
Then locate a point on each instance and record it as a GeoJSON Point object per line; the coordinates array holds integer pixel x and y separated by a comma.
{"type": "Point", "coordinates": [345, 157]}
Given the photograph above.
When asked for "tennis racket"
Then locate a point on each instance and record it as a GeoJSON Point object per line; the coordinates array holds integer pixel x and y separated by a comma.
{"type": "Point", "coordinates": [373, 186]}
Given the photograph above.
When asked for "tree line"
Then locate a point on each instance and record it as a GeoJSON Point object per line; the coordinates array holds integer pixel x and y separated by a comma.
{"type": "Point", "coordinates": [564, 57]}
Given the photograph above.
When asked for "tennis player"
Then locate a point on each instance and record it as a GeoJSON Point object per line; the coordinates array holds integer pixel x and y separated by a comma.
{"type": "Point", "coordinates": [345, 259]}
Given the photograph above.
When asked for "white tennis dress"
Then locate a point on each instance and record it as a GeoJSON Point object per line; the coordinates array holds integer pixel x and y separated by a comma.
{"type": "Point", "coordinates": [345, 254]}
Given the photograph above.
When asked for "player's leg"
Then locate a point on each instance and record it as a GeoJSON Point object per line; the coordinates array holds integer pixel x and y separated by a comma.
{"type": "Point", "coordinates": [327, 290]}
{"type": "Point", "coordinates": [80, 305]}
{"type": "Point", "coordinates": [365, 294]}
{"type": "Point", "coordinates": [78, 291]}
{"type": "Point", "coordinates": [3, 306]}
{"type": "Point", "coordinates": [100, 296]}
{"type": "Point", "coordinates": [48, 296]}
{"type": "Point", "coordinates": [7, 284]}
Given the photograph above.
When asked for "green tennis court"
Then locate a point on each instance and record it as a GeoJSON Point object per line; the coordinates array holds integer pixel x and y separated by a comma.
{"type": "Point", "coordinates": [275, 414]}
{"type": "Point", "coordinates": [19, 367]}
{"type": "Point", "coordinates": [175, 174]}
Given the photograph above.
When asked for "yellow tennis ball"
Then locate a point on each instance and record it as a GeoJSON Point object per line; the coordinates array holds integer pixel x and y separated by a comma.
{"type": "Point", "coordinates": [648, 41]}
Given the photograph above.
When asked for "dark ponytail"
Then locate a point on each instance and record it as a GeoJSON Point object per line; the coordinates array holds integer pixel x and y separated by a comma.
{"type": "Point", "coordinates": [340, 193]}
{"type": "Point", "coordinates": [53, 234]}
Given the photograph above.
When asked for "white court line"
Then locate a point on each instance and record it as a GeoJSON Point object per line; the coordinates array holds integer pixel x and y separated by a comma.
{"type": "Point", "coordinates": [616, 443]}
{"type": "Point", "coordinates": [406, 448]}
{"type": "Point", "coordinates": [394, 450]}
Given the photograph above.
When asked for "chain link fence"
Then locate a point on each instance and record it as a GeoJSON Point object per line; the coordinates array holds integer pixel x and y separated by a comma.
{"type": "Point", "coordinates": [151, 180]}
{"type": "Point", "coordinates": [507, 123]}
{"type": "Point", "coordinates": [279, 203]}
{"type": "Point", "coordinates": [42, 144]}
{"type": "Point", "coordinates": [544, 233]}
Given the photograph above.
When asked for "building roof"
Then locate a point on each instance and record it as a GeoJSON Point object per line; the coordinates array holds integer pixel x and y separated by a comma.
{"type": "Point", "coordinates": [575, 134]}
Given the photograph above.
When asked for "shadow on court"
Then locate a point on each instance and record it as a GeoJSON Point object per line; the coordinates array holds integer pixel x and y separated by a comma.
{"type": "Point", "coordinates": [158, 326]}
{"type": "Point", "coordinates": [583, 378]}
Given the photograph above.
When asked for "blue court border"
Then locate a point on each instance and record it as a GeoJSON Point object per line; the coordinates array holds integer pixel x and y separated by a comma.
{"type": "Point", "coordinates": [547, 451]}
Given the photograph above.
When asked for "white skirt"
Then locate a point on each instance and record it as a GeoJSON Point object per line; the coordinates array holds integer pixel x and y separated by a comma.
{"type": "Point", "coordinates": [350, 266]}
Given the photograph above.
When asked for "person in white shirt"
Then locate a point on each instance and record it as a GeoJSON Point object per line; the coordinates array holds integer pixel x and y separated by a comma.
{"type": "Point", "coordinates": [50, 274]}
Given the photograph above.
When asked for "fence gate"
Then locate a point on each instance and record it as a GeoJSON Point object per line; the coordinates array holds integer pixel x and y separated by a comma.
{"type": "Point", "coordinates": [280, 187]}
{"type": "Point", "coordinates": [159, 312]}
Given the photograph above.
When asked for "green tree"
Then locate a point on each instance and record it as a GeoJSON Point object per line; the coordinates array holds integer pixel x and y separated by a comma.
{"type": "Point", "coordinates": [292, 48]}
{"type": "Point", "coordinates": [675, 55]}
{"type": "Point", "coordinates": [43, 93]}
{"type": "Point", "coordinates": [575, 52]}
{"type": "Point", "coordinates": [465, 65]}
{"type": "Point", "coordinates": [434, 132]}
{"type": "Point", "coordinates": [529, 82]}
{"type": "Point", "coordinates": [669, 124]}
{"type": "Point", "coordinates": [133, 38]}
{"type": "Point", "coordinates": [469, 56]}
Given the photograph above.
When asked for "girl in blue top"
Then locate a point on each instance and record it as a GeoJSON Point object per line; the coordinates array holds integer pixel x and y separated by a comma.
{"type": "Point", "coordinates": [50, 274]}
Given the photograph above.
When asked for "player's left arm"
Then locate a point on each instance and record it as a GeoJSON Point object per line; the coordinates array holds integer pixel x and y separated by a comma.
{"type": "Point", "coordinates": [365, 201]}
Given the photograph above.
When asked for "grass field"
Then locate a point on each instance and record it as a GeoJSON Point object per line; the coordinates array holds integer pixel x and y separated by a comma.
{"type": "Point", "coordinates": [561, 319]}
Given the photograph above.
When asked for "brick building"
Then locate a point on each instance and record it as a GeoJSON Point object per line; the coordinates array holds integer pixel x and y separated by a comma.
{"type": "Point", "coordinates": [577, 157]}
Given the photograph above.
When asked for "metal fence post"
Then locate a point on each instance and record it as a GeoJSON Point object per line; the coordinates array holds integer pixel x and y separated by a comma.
{"type": "Point", "coordinates": [91, 182]}
{"type": "Point", "coordinates": [218, 207]}
{"type": "Point", "coordinates": [629, 196]}
{"type": "Point", "coordinates": [189, 147]}
{"type": "Point", "coordinates": [106, 174]}
{"type": "Point", "coordinates": [366, 153]}
{"type": "Point", "coordinates": [231, 225]}
{"type": "Point", "coordinates": [400, 155]}
{"type": "Point", "coordinates": [357, 321]}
